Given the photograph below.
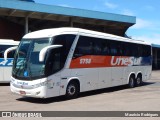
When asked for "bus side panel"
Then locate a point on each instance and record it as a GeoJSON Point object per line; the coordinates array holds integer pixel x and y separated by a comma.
{"type": "Point", "coordinates": [1, 75]}
{"type": "Point", "coordinates": [117, 76]}
{"type": "Point", "coordinates": [53, 85]}
{"type": "Point", "coordinates": [105, 77]}
{"type": "Point", "coordinates": [88, 78]}
{"type": "Point", "coordinates": [128, 71]}
{"type": "Point", "coordinates": [144, 70]}
{"type": "Point", "coordinates": [65, 76]}
{"type": "Point", "coordinates": [146, 74]}
{"type": "Point", "coordinates": [7, 73]}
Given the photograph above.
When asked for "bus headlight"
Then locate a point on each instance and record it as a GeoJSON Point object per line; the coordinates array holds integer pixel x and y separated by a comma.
{"type": "Point", "coordinates": [12, 81]}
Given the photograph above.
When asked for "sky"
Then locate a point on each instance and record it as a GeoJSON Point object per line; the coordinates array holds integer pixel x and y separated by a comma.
{"type": "Point", "coordinates": [147, 14]}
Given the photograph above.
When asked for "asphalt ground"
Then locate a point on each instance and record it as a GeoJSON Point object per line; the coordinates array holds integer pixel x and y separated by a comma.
{"type": "Point", "coordinates": [143, 98]}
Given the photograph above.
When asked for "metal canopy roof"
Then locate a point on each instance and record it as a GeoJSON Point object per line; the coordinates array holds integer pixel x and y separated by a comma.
{"type": "Point", "coordinates": [112, 22]}
{"type": "Point", "coordinates": [156, 45]}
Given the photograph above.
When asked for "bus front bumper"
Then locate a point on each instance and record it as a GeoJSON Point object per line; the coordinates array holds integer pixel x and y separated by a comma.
{"type": "Point", "coordinates": [36, 90]}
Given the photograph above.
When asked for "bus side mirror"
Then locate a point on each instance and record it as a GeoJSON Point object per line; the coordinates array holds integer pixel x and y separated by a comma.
{"type": "Point", "coordinates": [44, 50]}
{"type": "Point", "coordinates": [9, 50]}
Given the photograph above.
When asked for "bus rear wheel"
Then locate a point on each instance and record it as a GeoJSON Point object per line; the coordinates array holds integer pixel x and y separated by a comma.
{"type": "Point", "coordinates": [72, 90]}
{"type": "Point", "coordinates": [139, 80]}
{"type": "Point", "coordinates": [131, 83]}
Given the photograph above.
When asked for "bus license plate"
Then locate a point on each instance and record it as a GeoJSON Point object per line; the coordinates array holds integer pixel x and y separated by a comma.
{"type": "Point", "coordinates": [22, 92]}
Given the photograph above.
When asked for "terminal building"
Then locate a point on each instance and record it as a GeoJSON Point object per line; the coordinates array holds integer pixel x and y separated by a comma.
{"type": "Point", "coordinates": [18, 17]}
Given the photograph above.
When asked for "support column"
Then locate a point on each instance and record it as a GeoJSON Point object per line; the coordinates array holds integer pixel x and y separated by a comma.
{"type": "Point", "coordinates": [26, 25]}
{"type": "Point", "coordinates": [71, 22]}
{"type": "Point", "coordinates": [156, 60]}
{"type": "Point", "coordinates": [104, 29]}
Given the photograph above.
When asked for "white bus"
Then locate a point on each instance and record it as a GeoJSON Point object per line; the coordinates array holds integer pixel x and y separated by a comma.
{"type": "Point", "coordinates": [67, 61]}
{"type": "Point", "coordinates": [6, 65]}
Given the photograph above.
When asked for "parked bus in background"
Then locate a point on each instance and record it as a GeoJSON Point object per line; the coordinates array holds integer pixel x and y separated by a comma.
{"type": "Point", "coordinates": [67, 61]}
{"type": "Point", "coordinates": [6, 65]}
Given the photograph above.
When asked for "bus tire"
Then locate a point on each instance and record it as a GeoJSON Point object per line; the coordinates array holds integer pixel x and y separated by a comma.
{"type": "Point", "coordinates": [131, 83]}
{"type": "Point", "coordinates": [72, 90]}
{"type": "Point", "coordinates": [139, 80]}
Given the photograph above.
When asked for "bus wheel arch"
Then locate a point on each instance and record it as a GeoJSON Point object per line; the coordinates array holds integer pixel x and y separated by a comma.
{"type": "Point", "coordinates": [72, 89]}
{"type": "Point", "coordinates": [131, 80]}
{"type": "Point", "coordinates": [139, 79]}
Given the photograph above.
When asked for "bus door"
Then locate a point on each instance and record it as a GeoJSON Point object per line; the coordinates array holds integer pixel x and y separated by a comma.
{"type": "Point", "coordinates": [52, 70]}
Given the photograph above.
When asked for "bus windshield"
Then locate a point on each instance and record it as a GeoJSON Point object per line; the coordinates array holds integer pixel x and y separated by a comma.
{"type": "Point", "coordinates": [26, 63]}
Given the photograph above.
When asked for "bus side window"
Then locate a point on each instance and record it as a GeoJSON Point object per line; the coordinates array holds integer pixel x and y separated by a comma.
{"type": "Point", "coordinates": [2, 50]}
{"type": "Point", "coordinates": [146, 51]}
{"type": "Point", "coordinates": [140, 50]}
{"type": "Point", "coordinates": [67, 41]}
{"type": "Point", "coordinates": [105, 47]}
{"type": "Point", "coordinates": [125, 49]}
{"type": "Point", "coordinates": [53, 64]}
{"type": "Point", "coordinates": [57, 57]}
{"type": "Point", "coordinates": [11, 54]}
{"type": "Point", "coordinates": [113, 48]}
{"type": "Point", "coordinates": [100, 46]}
{"type": "Point", "coordinates": [84, 47]}
{"type": "Point", "coordinates": [97, 47]}
{"type": "Point", "coordinates": [119, 48]}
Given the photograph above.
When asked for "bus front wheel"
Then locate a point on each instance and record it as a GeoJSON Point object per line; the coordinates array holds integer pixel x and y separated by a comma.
{"type": "Point", "coordinates": [72, 90]}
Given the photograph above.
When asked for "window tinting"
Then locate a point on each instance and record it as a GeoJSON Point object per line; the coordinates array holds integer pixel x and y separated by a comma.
{"type": "Point", "coordinates": [2, 50]}
{"type": "Point", "coordinates": [57, 57]}
{"type": "Point", "coordinates": [146, 51]}
{"type": "Point", "coordinates": [98, 46]}
{"type": "Point", "coordinates": [84, 46]}
{"type": "Point", "coordinates": [91, 46]}
{"type": "Point", "coordinates": [101, 47]}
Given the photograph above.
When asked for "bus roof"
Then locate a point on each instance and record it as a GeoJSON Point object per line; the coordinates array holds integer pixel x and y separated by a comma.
{"type": "Point", "coordinates": [69, 30]}
{"type": "Point", "coordinates": [8, 42]}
